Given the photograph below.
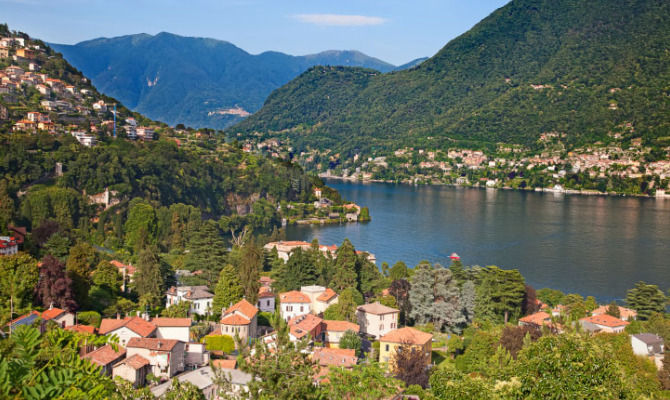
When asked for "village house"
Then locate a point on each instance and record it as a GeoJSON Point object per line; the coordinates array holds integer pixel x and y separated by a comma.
{"type": "Point", "coordinates": [106, 357]}
{"type": "Point", "coordinates": [376, 319]}
{"type": "Point", "coordinates": [327, 358]}
{"type": "Point", "coordinates": [173, 328]}
{"type": "Point", "coordinates": [202, 378]}
{"type": "Point", "coordinates": [647, 344]}
{"type": "Point", "coordinates": [199, 296]}
{"type": "Point", "coordinates": [603, 323]}
{"type": "Point", "coordinates": [145, 133]}
{"type": "Point", "coordinates": [107, 198]}
{"type": "Point", "coordinates": [126, 271]}
{"type": "Point", "coordinates": [8, 246]}
{"type": "Point", "coordinates": [626, 314]}
{"type": "Point", "coordinates": [410, 337]}
{"type": "Point", "coordinates": [293, 304]}
{"type": "Point", "coordinates": [266, 299]}
{"type": "Point", "coordinates": [127, 328]}
{"type": "Point", "coordinates": [166, 356]}
{"type": "Point", "coordinates": [240, 319]}
{"type": "Point", "coordinates": [60, 317]}
{"type": "Point", "coordinates": [320, 298]}
{"type": "Point", "coordinates": [333, 331]}
{"type": "Point", "coordinates": [305, 326]}
{"type": "Point", "coordinates": [538, 319]}
{"type": "Point", "coordinates": [134, 369]}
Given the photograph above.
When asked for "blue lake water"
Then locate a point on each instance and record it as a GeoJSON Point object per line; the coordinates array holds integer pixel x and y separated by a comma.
{"type": "Point", "coordinates": [592, 245]}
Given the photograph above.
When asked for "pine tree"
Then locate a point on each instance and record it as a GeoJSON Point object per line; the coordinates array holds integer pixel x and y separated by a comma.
{"type": "Point", "coordinates": [249, 270]}
{"type": "Point", "coordinates": [646, 300]}
{"type": "Point", "coordinates": [469, 300]}
{"type": "Point", "coordinates": [613, 310]}
{"type": "Point", "coordinates": [421, 295]}
{"type": "Point", "coordinates": [228, 289]}
{"type": "Point", "coordinates": [400, 290]}
{"type": "Point", "coordinates": [206, 252]}
{"type": "Point", "coordinates": [447, 307]}
{"type": "Point", "coordinates": [54, 286]}
{"type": "Point", "coordinates": [345, 274]}
{"type": "Point", "coordinates": [147, 279]}
{"type": "Point", "coordinates": [80, 262]}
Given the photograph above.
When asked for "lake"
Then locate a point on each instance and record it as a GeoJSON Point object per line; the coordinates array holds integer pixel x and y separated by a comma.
{"type": "Point", "coordinates": [591, 245]}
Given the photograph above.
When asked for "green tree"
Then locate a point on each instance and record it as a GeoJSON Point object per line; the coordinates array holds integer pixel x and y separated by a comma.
{"type": "Point", "coordinates": [345, 275]}
{"type": "Point", "coordinates": [351, 340]}
{"type": "Point", "coordinates": [147, 279]}
{"type": "Point", "coordinates": [421, 295]}
{"type": "Point", "coordinates": [551, 297]}
{"type": "Point", "coordinates": [79, 266]}
{"type": "Point", "coordinates": [613, 310]}
{"type": "Point", "coordinates": [575, 308]}
{"type": "Point", "coordinates": [140, 226]}
{"type": "Point", "coordinates": [500, 293]}
{"type": "Point", "coordinates": [365, 382]}
{"type": "Point", "coordinates": [364, 215]}
{"type": "Point", "coordinates": [590, 304]}
{"type": "Point", "coordinates": [207, 252]}
{"type": "Point", "coordinates": [228, 289]}
{"type": "Point", "coordinates": [58, 245]}
{"type": "Point", "coordinates": [646, 299]}
{"type": "Point", "coordinates": [298, 271]}
{"type": "Point", "coordinates": [183, 391]}
{"type": "Point", "coordinates": [179, 310]}
{"type": "Point", "coordinates": [249, 270]}
{"type": "Point", "coordinates": [106, 275]}
{"type": "Point", "coordinates": [18, 277]}
{"type": "Point", "coordinates": [345, 308]}
{"type": "Point", "coordinates": [399, 270]}
{"type": "Point", "coordinates": [7, 206]}
{"type": "Point", "coordinates": [91, 318]}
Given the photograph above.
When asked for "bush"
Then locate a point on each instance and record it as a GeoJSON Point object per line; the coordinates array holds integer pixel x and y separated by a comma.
{"type": "Point", "coordinates": [264, 318]}
{"type": "Point", "coordinates": [89, 318]}
{"type": "Point", "coordinates": [223, 343]}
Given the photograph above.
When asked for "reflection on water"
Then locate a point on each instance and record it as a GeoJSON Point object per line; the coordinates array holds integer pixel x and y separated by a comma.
{"type": "Point", "coordinates": [590, 245]}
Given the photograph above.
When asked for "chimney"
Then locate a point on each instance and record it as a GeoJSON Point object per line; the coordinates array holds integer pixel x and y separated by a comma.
{"type": "Point", "coordinates": [118, 316]}
{"type": "Point", "coordinates": [51, 305]}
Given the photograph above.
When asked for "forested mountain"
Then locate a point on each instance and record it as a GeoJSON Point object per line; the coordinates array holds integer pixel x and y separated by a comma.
{"type": "Point", "coordinates": [195, 81]}
{"type": "Point", "coordinates": [588, 69]}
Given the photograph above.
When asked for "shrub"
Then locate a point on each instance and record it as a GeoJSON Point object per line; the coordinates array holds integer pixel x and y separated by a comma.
{"type": "Point", "coordinates": [223, 343]}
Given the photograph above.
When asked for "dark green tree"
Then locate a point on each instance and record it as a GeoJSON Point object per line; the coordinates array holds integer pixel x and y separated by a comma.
{"type": "Point", "coordinates": [345, 275]}
{"type": "Point", "coordinates": [147, 279]}
{"type": "Point", "coordinates": [351, 340]}
{"type": "Point", "coordinates": [80, 262]}
{"type": "Point", "coordinates": [228, 289]}
{"type": "Point", "coordinates": [646, 299]}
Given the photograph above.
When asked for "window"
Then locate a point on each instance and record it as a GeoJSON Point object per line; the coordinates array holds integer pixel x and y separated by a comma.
{"type": "Point", "coordinates": [268, 303]}
{"type": "Point", "coordinates": [387, 347]}
{"type": "Point", "coordinates": [381, 317]}
{"type": "Point", "coordinates": [381, 327]}
{"type": "Point", "coordinates": [301, 308]}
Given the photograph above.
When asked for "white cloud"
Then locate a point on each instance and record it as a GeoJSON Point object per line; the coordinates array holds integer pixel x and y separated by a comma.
{"type": "Point", "coordinates": [339, 19]}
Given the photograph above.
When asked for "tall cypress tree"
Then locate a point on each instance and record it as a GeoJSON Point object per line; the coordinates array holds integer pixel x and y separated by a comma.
{"type": "Point", "coordinates": [345, 274]}
{"type": "Point", "coordinates": [249, 270]}
{"type": "Point", "coordinates": [147, 279]}
{"type": "Point", "coordinates": [206, 252]}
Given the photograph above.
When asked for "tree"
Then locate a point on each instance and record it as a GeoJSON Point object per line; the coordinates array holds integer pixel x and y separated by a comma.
{"type": "Point", "coordinates": [365, 382]}
{"type": "Point", "coordinates": [207, 252]}
{"type": "Point", "coordinates": [421, 293]}
{"type": "Point", "coordinates": [183, 391]}
{"type": "Point", "coordinates": [345, 308]}
{"type": "Point", "coordinates": [530, 303]}
{"type": "Point", "coordinates": [370, 280]}
{"type": "Point", "coordinates": [551, 297]}
{"type": "Point", "coordinates": [54, 286]}
{"type": "Point", "coordinates": [147, 278]}
{"type": "Point", "coordinates": [58, 245]}
{"type": "Point", "coordinates": [409, 365]}
{"type": "Point", "coordinates": [646, 299]}
{"type": "Point", "coordinates": [613, 310]}
{"type": "Point", "coordinates": [79, 265]}
{"type": "Point", "coordinates": [469, 300]}
{"type": "Point", "coordinates": [499, 293]}
{"type": "Point", "coordinates": [513, 337]}
{"type": "Point", "coordinates": [448, 311]}
{"type": "Point", "coordinates": [351, 340]}
{"type": "Point", "coordinates": [179, 310]}
{"type": "Point", "coordinates": [107, 276]}
{"type": "Point", "coordinates": [140, 226]}
{"type": "Point", "coordinates": [249, 270]}
{"type": "Point", "coordinates": [399, 271]}
{"type": "Point", "coordinates": [590, 304]}
{"type": "Point", "coordinates": [7, 206]}
{"type": "Point", "coordinates": [400, 289]}
{"type": "Point", "coordinates": [91, 318]}
{"type": "Point", "coordinates": [296, 272]}
{"type": "Point", "coordinates": [574, 306]}
{"type": "Point", "coordinates": [345, 275]}
{"type": "Point", "coordinates": [228, 289]}
{"type": "Point", "coordinates": [44, 231]}
{"type": "Point", "coordinates": [664, 373]}
{"type": "Point", "coordinates": [18, 276]}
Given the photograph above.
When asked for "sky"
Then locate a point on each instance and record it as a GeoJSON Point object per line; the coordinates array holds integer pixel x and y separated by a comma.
{"type": "Point", "coordinates": [396, 31]}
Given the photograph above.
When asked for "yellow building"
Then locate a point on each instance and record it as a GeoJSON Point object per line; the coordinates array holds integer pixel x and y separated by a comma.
{"type": "Point", "coordinates": [404, 336]}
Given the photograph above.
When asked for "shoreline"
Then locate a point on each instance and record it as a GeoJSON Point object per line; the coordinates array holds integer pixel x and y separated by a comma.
{"type": "Point", "coordinates": [533, 190]}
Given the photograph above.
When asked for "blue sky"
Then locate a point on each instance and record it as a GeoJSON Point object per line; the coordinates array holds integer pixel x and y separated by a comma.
{"type": "Point", "coordinates": [395, 31]}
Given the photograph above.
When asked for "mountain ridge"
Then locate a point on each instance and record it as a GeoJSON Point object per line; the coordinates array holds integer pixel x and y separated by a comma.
{"type": "Point", "coordinates": [192, 80]}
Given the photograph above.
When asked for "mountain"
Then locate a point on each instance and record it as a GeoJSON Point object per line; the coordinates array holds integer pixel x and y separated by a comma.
{"type": "Point", "coordinates": [195, 81]}
{"type": "Point", "coordinates": [411, 64]}
{"type": "Point", "coordinates": [587, 69]}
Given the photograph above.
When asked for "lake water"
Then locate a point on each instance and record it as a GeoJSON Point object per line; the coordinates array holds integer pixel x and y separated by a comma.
{"type": "Point", "coordinates": [592, 245]}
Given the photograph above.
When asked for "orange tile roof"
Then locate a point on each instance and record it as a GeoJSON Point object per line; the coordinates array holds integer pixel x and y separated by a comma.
{"type": "Point", "coordinates": [626, 313]}
{"type": "Point", "coordinates": [135, 361]}
{"type": "Point", "coordinates": [340, 326]}
{"type": "Point", "coordinates": [154, 344]}
{"type": "Point", "coordinates": [52, 313]}
{"type": "Point", "coordinates": [538, 318]}
{"type": "Point", "coordinates": [293, 296]}
{"type": "Point", "coordinates": [105, 355]}
{"type": "Point", "coordinates": [235, 319]}
{"type": "Point", "coordinates": [265, 292]}
{"type": "Point", "coordinates": [225, 364]}
{"type": "Point", "coordinates": [173, 322]}
{"type": "Point", "coordinates": [605, 320]}
{"type": "Point", "coordinates": [377, 309]}
{"type": "Point", "coordinates": [244, 307]}
{"type": "Point", "coordinates": [82, 329]}
{"type": "Point", "coordinates": [407, 335]}
{"type": "Point", "coordinates": [327, 295]}
{"type": "Point", "coordinates": [135, 324]}
{"type": "Point", "coordinates": [303, 325]}
{"type": "Point", "coordinates": [338, 357]}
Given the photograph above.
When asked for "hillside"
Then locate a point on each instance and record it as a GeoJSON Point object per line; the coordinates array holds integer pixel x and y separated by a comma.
{"type": "Point", "coordinates": [195, 81]}
{"type": "Point", "coordinates": [582, 68]}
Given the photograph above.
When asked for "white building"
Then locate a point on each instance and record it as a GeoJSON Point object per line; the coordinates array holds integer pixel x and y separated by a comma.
{"type": "Point", "coordinates": [647, 344]}
{"type": "Point", "coordinates": [294, 304]}
{"type": "Point", "coordinates": [603, 323]}
{"type": "Point", "coordinates": [320, 298]}
{"type": "Point", "coordinates": [376, 319]}
{"type": "Point", "coordinates": [173, 328]}
{"type": "Point", "coordinates": [145, 133]}
{"type": "Point", "coordinates": [266, 300]}
{"type": "Point", "coordinates": [166, 356]}
{"type": "Point", "coordinates": [127, 328]}
{"type": "Point", "coordinates": [199, 296]}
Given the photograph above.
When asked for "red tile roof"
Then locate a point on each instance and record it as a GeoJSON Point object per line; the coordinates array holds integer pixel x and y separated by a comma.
{"type": "Point", "coordinates": [407, 335]}
{"type": "Point", "coordinates": [303, 325]}
{"type": "Point", "coordinates": [225, 364]}
{"type": "Point", "coordinates": [52, 313]}
{"type": "Point", "coordinates": [130, 270]}
{"type": "Point", "coordinates": [605, 320]}
{"type": "Point", "coordinates": [327, 295]}
{"type": "Point", "coordinates": [538, 318]}
{"type": "Point", "coordinates": [293, 296]}
{"type": "Point", "coordinates": [105, 355]}
{"type": "Point", "coordinates": [244, 307]}
{"type": "Point", "coordinates": [235, 319]}
{"type": "Point", "coordinates": [626, 313]}
{"type": "Point", "coordinates": [135, 324]}
{"type": "Point", "coordinates": [338, 357]}
{"type": "Point", "coordinates": [154, 344]}
{"type": "Point", "coordinates": [82, 329]}
{"type": "Point", "coordinates": [340, 326]}
{"type": "Point", "coordinates": [265, 292]}
{"type": "Point", "coordinates": [135, 362]}
{"type": "Point", "coordinates": [172, 322]}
